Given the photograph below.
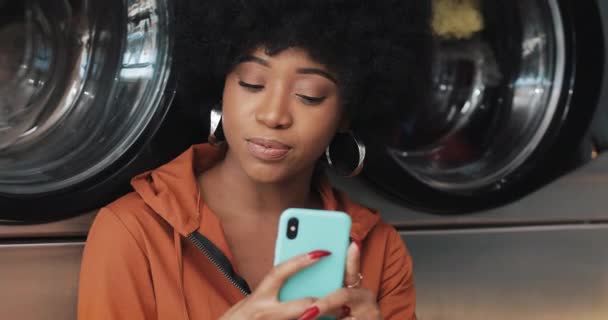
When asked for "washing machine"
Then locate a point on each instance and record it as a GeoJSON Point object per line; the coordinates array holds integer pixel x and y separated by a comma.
{"type": "Point", "coordinates": [496, 185]}
{"type": "Point", "coordinates": [88, 99]}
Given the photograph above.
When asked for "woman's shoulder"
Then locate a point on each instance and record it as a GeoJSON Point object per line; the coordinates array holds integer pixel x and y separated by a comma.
{"type": "Point", "coordinates": [131, 202]}
{"type": "Point", "coordinates": [131, 208]}
{"type": "Point", "coordinates": [133, 215]}
{"type": "Point", "coordinates": [368, 221]}
{"type": "Point", "coordinates": [386, 236]}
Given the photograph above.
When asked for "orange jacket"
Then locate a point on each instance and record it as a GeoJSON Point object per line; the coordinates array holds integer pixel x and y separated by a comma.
{"type": "Point", "coordinates": [141, 262]}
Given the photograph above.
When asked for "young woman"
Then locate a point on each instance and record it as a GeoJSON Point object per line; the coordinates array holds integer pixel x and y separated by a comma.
{"type": "Point", "coordinates": [195, 240]}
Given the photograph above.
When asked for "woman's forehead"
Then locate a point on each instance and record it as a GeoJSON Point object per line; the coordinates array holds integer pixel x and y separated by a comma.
{"type": "Point", "coordinates": [291, 53]}
{"type": "Point", "coordinates": [296, 57]}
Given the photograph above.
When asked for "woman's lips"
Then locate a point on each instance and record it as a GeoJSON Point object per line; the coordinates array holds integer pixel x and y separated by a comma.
{"type": "Point", "coordinates": [268, 150]}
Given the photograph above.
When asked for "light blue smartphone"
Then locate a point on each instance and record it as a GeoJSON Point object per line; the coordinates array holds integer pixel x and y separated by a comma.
{"type": "Point", "coordinates": [305, 230]}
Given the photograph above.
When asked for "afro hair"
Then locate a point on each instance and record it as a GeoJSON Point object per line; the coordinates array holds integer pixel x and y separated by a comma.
{"type": "Point", "coordinates": [380, 50]}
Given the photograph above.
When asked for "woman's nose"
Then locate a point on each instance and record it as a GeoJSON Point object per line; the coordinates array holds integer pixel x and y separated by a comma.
{"type": "Point", "coordinates": [274, 112]}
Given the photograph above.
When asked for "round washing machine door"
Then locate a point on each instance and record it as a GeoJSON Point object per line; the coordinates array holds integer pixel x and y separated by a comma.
{"type": "Point", "coordinates": [84, 86]}
{"type": "Point", "coordinates": [515, 84]}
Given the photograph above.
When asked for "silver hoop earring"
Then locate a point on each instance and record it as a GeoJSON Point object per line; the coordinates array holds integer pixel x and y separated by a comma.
{"type": "Point", "coordinates": [216, 133]}
{"type": "Point", "coordinates": [360, 150]}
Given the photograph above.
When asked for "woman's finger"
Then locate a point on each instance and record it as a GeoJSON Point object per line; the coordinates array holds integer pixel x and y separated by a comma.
{"type": "Point", "coordinates": [333, 304]}
{"type": "Point", "coordinates": [279, 274]}
{"type": "Point", "coordinates": [351, 275]}
{"type": "Point", "coordinates": [291, 309]}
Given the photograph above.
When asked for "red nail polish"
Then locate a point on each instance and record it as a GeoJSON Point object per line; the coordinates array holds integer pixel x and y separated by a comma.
{"type": "Point", "coordinates": [318, 254]}
{"type": "Point", "coordinates": [310, 313]}
{"type": "Point", "coordinates": [345, 312]}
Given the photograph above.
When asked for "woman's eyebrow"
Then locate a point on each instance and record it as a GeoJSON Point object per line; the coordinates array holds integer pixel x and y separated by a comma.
{"type": "Point", "coordinates": [317, 72]}
{"type": "Point", "coordinates": [265, 63]}
{"type": "Point", "coordinates": [255, 59]}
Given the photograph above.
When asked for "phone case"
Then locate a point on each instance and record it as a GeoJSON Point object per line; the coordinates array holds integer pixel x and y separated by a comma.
{"type": "Point", "coordinates": [317, 230]}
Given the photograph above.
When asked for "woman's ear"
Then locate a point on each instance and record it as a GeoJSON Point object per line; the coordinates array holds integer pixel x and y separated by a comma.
{"type": "Point", "coordinates": [344, 125]}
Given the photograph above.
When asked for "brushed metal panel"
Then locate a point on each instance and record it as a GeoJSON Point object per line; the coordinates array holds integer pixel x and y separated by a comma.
{"type": "Point", "coordinates": [39, 281]}
{"type": "Point", "coordinates": [555, 273]}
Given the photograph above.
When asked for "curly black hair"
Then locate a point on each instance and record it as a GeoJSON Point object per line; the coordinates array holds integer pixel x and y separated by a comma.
{"type": "Point", "coordinates": [380, 50]}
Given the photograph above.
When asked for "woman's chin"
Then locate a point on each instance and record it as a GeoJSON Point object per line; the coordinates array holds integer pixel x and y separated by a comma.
{"type": "Point", "coordinates": [267, 174]}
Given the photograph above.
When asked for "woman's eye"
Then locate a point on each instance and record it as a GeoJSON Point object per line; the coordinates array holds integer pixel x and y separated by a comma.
{"type": "Point", "coordinates": [310, 100]}
{"type": "Point", "coordinates": [251, 87]}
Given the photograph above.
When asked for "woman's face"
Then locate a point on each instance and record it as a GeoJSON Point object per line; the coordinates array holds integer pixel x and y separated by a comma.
{"type": "Point", "coordinates": [279, 114]}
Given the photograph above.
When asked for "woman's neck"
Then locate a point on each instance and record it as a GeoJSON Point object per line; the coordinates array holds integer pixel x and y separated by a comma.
{"type": "Point", "coordinates": [230, 193]}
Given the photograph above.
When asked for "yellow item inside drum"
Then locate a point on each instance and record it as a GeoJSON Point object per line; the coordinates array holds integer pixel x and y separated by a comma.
{"type": "Point", "coordinates": [457, 19]}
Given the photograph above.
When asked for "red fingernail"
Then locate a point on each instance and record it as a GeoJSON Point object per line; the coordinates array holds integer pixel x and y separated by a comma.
{"type": "Point", "coordinates": [310, 313]}
{"type": "Point", "coordinates": [345, 312]}
{"type": "Point", "coordinates": [318, 254]}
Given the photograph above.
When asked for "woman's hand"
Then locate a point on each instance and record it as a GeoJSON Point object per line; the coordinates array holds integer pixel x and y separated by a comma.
{"type": "Point", "coordinates": [263, 303]}
{"type": "Point", "coordinates": [351, 302]}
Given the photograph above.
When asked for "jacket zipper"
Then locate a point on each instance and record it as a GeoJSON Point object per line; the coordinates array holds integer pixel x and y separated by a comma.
{"type": "Point", "coordinates": [223, 269]}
